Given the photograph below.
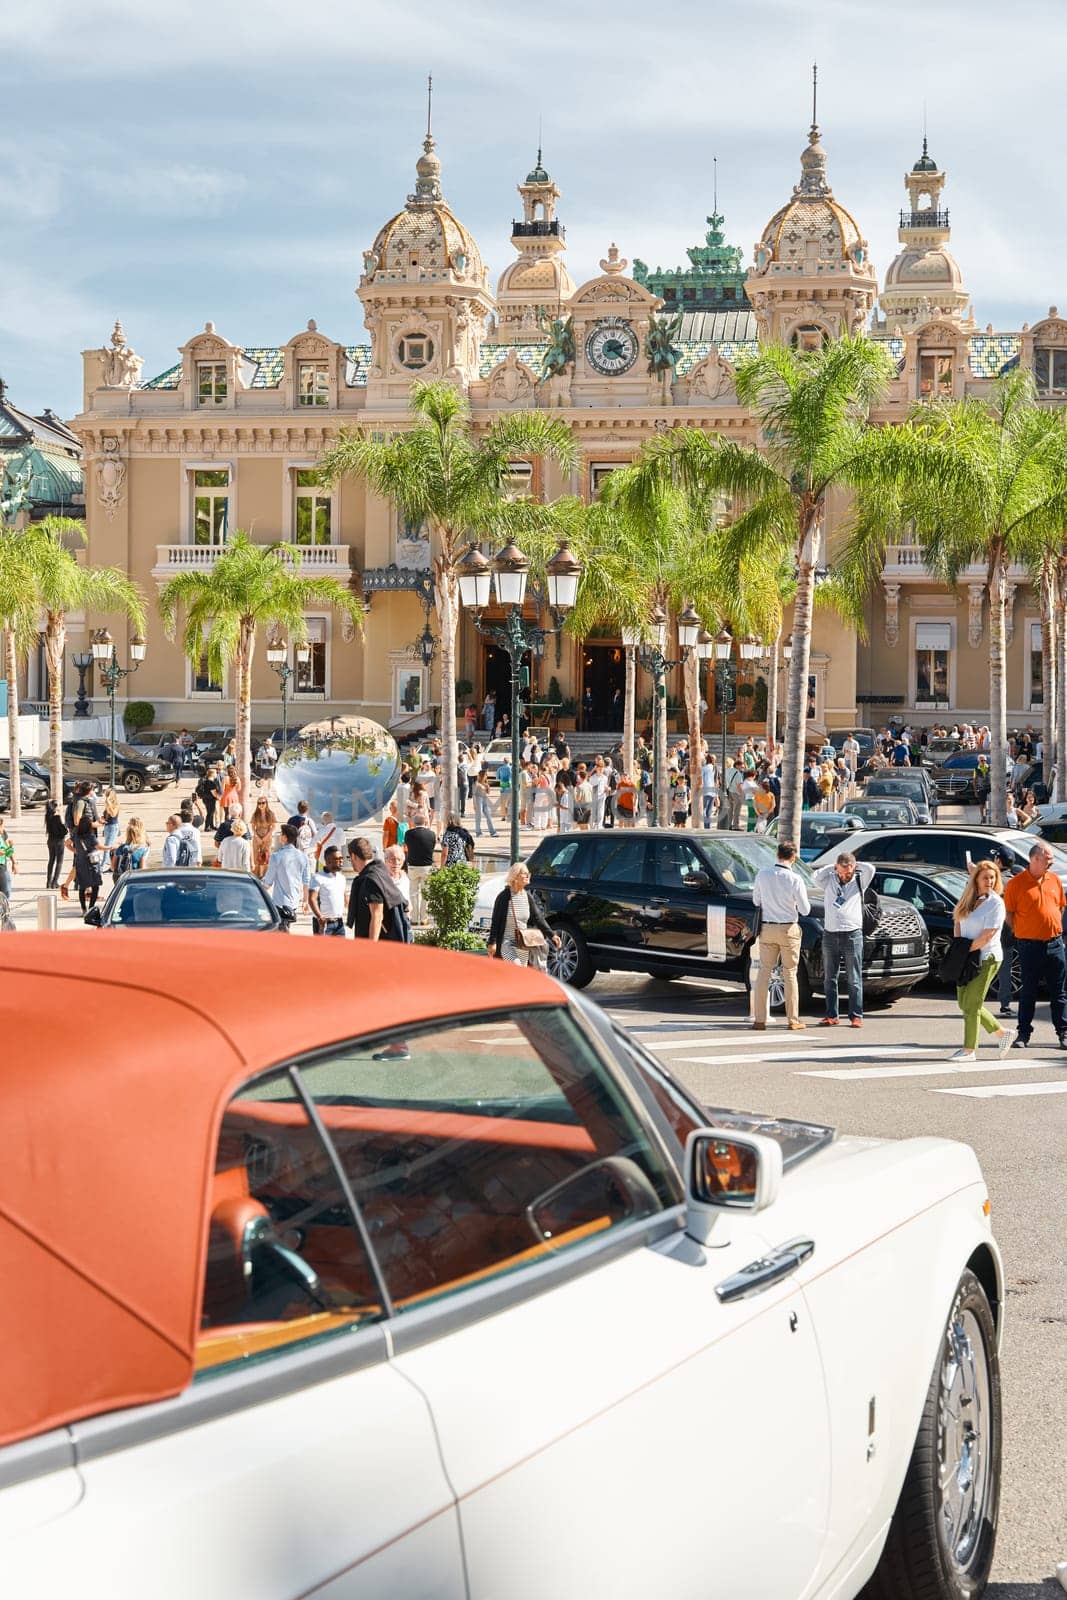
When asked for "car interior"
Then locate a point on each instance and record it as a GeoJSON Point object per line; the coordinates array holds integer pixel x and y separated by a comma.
{"type": "Point", "coordinates": [225, 902]}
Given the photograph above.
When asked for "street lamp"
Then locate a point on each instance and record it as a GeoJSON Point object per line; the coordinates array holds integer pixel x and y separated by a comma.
{"type": "Point", "coordinates": [83, 660]}
{"type": "Point", "coordinates": [509, 572]}
{"type": "Point", "coordinates": [111, 674]}
{"type": "Point", "coordinates": [653, 658]}
{"type": "Point", "coordinates": [278, 661]}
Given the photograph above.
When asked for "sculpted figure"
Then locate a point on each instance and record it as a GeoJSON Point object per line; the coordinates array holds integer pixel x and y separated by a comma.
{"type": "Point", "coordinates": [559, 332]}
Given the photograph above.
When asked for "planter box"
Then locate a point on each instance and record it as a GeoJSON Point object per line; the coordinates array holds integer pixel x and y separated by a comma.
{"type": "Point", "coordinates": [566, 724]}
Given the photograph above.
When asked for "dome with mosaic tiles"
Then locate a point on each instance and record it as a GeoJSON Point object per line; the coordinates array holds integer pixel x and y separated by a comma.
{"type": "Point", "coordinates": [425, 241]}
{"type": "Point", "coordinates": [925, 270]}
{"type": "Point", "coordinates": [811, 217]}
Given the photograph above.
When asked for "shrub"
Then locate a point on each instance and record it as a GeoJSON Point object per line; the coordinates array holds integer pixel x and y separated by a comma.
{"type": "Point", "coordinates": [450, 895]}
{"type": "Point", "coordinates": [471, 943]}
{"type": "Point", "coordinates": [139, 714]}
{"type": "Point", "coordinates": [464, 690]}
{"type": "Point", "coordinates": [759, 701]}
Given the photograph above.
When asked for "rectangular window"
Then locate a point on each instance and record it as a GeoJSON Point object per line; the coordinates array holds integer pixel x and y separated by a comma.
{"type": "Point", "coordinates": [1037, 681]}
{"type": "Point", "coordinates": [211, 506]}
{"type": "Point", "coordinates": [935, 375]}
{"type": "Point", "coordinates": [519, 482]}
{"type": "Point", "coordinates": [312, 521]}
{"type": "Point", "coordinates": [203, 683]}
{"type": "Point", "coordinates": [211, 383]}
{"type": "Point", "coordinates": [933, 645]}
{"type": "Point", "coordinates": [479, 1148]}
{"type": "Point", "coordinates": [311, 674]}
{"type": "Point", "coordinates": [312, 383]}
{"type": "Point", "coordinates": [1050, 371]}
{"type": "Point", "coordinates": [598, 473]}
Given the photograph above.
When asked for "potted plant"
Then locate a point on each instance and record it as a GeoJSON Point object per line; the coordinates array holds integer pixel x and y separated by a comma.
{"type": "Point", "coordinates": [450, 895]}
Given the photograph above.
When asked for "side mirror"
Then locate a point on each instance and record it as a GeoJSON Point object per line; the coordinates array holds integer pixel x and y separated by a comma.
{"type": "Point", "coordinates": [725, 1171]}
{"type": "Point", "coordinates": [94, 917]}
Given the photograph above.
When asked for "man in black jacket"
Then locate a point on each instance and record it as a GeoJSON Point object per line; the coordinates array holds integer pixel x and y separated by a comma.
{"type": "Point", "coordinates": [374, 895]}
{"type": "Point", "coordinates": [420, 844]}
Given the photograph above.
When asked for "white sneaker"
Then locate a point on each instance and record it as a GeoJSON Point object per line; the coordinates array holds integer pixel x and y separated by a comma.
{"type": "Point", "coordinates": [963, 1055]}
{"type": "Point", "coordinates": [1005, 1040]}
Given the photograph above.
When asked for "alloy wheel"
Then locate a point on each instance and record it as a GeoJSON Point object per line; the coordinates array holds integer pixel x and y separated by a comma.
{"type": "Point", "coordinates": [964, 1438]}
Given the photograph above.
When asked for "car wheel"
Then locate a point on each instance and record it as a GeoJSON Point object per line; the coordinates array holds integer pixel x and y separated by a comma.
{"type": "Point", "coordinates": [941, 1539]}
{"type": "Point", "coordinates": [569, 961]}
{"type": "Point", "coordinates": [133, 783]}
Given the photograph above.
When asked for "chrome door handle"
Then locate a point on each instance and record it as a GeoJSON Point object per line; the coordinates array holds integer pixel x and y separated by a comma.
{"type": "Point", "coordinates": [765, 1271]}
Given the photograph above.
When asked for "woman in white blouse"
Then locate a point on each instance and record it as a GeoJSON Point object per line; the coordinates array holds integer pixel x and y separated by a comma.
{"type": "Point", "coordinates": [979, 917]}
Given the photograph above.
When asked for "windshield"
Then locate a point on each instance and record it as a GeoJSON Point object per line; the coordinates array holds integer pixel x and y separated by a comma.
{"type": "Point", "coordinates": [737, 860]}
{"type": "Point", "coordinates": [889, 786]}
{"type": "Point", "coordinates": [873, 811]}
{"type": "Point", "coordinates": [130, 752]}
{"type": "Point", "coordinates": [222, 900]}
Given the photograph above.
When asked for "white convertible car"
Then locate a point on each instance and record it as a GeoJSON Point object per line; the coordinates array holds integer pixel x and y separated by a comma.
{"type": "Point", "coordinates": [391, 1272]}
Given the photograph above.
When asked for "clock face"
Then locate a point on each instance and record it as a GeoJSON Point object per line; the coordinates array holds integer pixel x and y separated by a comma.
{"type": "Point", "coordinates": [611, 347]}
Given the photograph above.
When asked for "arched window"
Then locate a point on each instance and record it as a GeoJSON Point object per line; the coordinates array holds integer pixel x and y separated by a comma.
{"type": "Point", "coordinates": [809, 337]}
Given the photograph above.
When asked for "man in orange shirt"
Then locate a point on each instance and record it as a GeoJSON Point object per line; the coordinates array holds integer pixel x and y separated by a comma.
{"type": "Point", "coordinates": [1034, 901]}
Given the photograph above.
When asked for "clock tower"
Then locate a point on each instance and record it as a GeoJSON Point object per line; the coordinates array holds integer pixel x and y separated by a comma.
{"type": "Point", "coordinates": [611, 316]}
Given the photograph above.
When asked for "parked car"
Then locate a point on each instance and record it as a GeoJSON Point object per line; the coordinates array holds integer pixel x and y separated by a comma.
{"type": "Point", "coordinates": [33, 788]}
{"type": "Point", "coordinates": [937, 751]}
{"type": "Point", "coordinates": [906, 783]}
{"type": "Point", "coordinates": [818, 829]}
{"type": "Point", "coordinates": [447, 1288]}
{"type": "Point", "coordinates": [153, 743]}
{"type": "Point", "coordinates": [866, 738]}
{"type": "Point", "coordinates": [680, 905]}
{"type": "Point", "coordinates": [210, 743]}
{"type": "Point", "coordinates": [934, 892]}
{"type": "Point", "coordinates": [495, 752]}
{"type": "Point", "coordinates": [134, 770]}
{"type": "Point", "coordinates": [187, 897]}
{"type": "Point", "coordinates": [886, 813]}
{"type": "Point", "coordinates": [958, 780]}
{"type": "Point", "coordinates": [36, 769]}
{"type": "Point", "coordinates": [944, 846]}
{"type": "Point", "coordinates": [1050, 823]}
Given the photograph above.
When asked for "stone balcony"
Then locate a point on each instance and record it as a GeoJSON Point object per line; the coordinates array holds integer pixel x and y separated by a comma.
{"type": "Point", "coordinates": [904, 564]}
{"type": "Point", "coordinates": [333, 560]}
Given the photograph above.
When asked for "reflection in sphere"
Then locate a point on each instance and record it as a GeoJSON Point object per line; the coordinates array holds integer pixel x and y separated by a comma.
{"type": "Point", "coordinates": [347, 765]}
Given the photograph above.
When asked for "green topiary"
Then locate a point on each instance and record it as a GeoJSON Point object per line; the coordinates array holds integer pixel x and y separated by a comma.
{"type": "Point", "coordinates": [139, 714]}
{"type": "Point", "coordinates": [759, 701]}
{"type": "Point", "coordinates": [450, 895]}
{"type": "Point", "coordinates": [471, 943]}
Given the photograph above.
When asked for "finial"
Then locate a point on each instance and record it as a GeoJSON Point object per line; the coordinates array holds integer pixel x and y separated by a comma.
{"type": "Point", "coordinates": [429, 103]}
{"type": "Point", "coordinates": [540, 131]}
{"type": "Point", "coordinates": [814, 93]}
{"type": "Point", "coordinates": [614, 263]}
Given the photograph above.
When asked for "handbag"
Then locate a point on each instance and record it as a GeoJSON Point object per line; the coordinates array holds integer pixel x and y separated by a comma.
{"type": "Point", "coordinates": [531, 939]}
{"type": "Point", "coordinates": [960, 963]}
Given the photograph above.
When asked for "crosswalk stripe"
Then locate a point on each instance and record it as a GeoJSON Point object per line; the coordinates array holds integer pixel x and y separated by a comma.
{"type": "Point", "coordinates": [932, 1069]}
{"type": "Point", "coordinates": [802, 1052]}
{"type": "Point", "coordinates": [989, 1091]}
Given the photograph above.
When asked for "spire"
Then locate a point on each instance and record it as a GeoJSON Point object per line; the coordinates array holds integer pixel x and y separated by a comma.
{"type": "Point", "coordinates": [428, 166]}
{"type": "Point", "coordinates": [813, 183]}
{"type": "Point", "coordinates": [815, 97]}
{"type": "Point", "coordinates": [715, 184]}
{"type": "Point", "coordinates": [429, 103]}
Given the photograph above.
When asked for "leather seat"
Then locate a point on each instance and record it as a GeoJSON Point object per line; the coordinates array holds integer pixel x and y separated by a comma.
{"type": "Point", "coordinates": [235, 1223]}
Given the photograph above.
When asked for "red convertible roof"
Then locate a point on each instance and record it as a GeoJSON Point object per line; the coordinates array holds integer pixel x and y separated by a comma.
{"type": "Point", "coordinates": [121, 1050]}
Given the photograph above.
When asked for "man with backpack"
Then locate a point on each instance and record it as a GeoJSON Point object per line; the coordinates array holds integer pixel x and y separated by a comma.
{"type": "Point", "coordinates": [181, 847]}
{"type": "Point", "coordinates": [850, 910]}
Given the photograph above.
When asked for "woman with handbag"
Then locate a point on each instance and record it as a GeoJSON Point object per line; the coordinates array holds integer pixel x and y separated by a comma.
{"type": "Point", "coordinates": [979, 917]}
{"type": "Point", "coordinates": [519, 931]}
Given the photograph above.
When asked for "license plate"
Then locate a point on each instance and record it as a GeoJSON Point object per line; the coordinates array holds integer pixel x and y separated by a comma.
{"type": "Point", "coordinates": [901, 949]}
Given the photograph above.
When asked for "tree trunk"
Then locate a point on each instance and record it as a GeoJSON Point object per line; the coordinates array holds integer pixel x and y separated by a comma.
{"type": "Point", "coordinates": [447, 589]}
{"type": "Point", "coordinates": [13, 752]}
{"type": "Point", "coordinates": [1051, 684]}
{"type": "Point", "coordinates": [55, 640]}
{"type": "Point", "coordinates": [998, 702]}
{"type": "Point", "coordinates": [691, 679]}
{"type": "Point", "coordinates": [246, 650]}
{"type": "Point", "coordinates": [772, 695]}
{"type": "Point", "coordinates": [629, 711]}
{"type": "Point", "coordinates": [1061, 703]}
{"type": "Point", "coordinates": [796, 706]}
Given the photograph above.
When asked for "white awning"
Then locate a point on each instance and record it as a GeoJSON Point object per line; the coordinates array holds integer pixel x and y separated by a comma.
{"type": "Point", "coordinates": [933, 636]}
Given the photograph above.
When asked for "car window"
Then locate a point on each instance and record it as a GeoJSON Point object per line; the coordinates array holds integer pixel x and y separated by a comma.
{"type": "Point", "coordinates": [674, 861]}
{"type": "Point", "coordinates": [621, 860]}
{"type": "Point", "coordinates": [564, 857]}
{"type": "Point", "coordinates": [222, 900]}
{"type": "Point", "coordinates": [477, 1147]}
{"type": "Point", "coordinates": [737, 860]}
{"type": "Point", "coordinates": [285, 1262]}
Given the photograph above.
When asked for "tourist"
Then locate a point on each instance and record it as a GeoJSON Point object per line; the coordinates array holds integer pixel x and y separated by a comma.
{"type": "Point", "coordinates": [177, 753]}
{"type": "Point", "coordinates": [1034, 902]}
{"type": "Point", "coordinates": [519, 931]}
{"type": "Point", "coordinates": [8, 863]}
{"type": "Point", "coordinates": [264, 823]}
{"type": "Point", "coordinates": [288, 877]}
{"type": "Point", "coordinates": [420, 843]}
{"type": "Point", "coordinates": [679, 792]}
{"type": "Point", "coordinates": [733, 795]}
{"type": "Point", "coordinates": [598, 785]}
{"type": "Point", "coordinates": [328, 834]}
{"type": "Point", "coordinates": [503, 781]}
{"type": "Point", "coordinates": [979, 917]}
{"type": "Point", "coordinates": [583, 800]}
{"type": "Point", "coordinates": [782, 897]}
{"type": "Point", "coordinates": [83, 824]}
{"type": "Point", "coordinates": [131, 854]}
{"type": "Point", "coordinates": [709, 789]}
{"type": "Point", "coordinates": [376, 906]}
{"type": "Point", "coordinates": [233, 811]}
{"type": "Point", "coordinates": [390, 826]}
{"type": "Point", "coordinates": [844, 883]}
{"type": "Point", "coordinates": [627, 794]}
{"type": "Point", "coordinates": [764, 804]}
{"type": "Point", "coordinates": [457, 846]}
{"type": "Point", "coordinates": [55, 832]}
{"type": "Point", "coordinates": [482, 805]}
{"type": "Point", "coordinates": [394, 860]}
{"type": "Point", "coordinates": [109, 816]}
{"type": "Point", "coordinates": [181, 847]}
{"type": "Point", "coordinates": [564, 804]}
{"type": "Point", "coordinates": [542, 801]}
{"type": "Point", "coordinates": [235, 851]}
{"type": "Point", "coordinates": [266, 761]}
{"type": "Point", "coordinates": [326, 896]}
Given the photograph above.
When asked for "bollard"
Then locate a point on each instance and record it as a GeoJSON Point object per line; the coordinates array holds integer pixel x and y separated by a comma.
{"type": "Point", "coordinates": [46, 912]}
{"type": "Point", "coordinates": [753, 976]}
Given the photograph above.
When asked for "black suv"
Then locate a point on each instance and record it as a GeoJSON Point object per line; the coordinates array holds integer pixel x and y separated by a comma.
{"type": "Point", "coordinates": [676, 904]}
{"type": "Point", "coordinates": [134, 770]}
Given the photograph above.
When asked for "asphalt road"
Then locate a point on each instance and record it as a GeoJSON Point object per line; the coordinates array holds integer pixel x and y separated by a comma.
{"type": "Point", "coordinates": [892, 1081]}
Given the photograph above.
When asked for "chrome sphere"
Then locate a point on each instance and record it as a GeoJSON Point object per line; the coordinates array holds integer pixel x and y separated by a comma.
{"type": "Point", "coordinates": [349, 766]}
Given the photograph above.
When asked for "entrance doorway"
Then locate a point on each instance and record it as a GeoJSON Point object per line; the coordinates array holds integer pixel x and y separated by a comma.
{"type": "Point", "coordinates": [496, 677]}
{"type": "Point", "coordinates": [603, 687]}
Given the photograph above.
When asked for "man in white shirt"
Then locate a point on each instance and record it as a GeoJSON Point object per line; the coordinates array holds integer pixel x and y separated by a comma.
{"type": "Point", "coordinates": [288, 877]}
{"type": "Point", "coordinates": [782, 897]}
{"type": "Point", "coordinates": [326, 896]}
{"type": "Point", "coordinates": [844, 883]}
{"type": "Point", "coordinates": [181, 847]}
{"type": "Point", "coordinates": [709, 788]}
{"type": "Point", "coordinates": [851, 752]}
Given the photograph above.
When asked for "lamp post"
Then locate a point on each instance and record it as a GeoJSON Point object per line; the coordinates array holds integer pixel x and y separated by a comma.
{"type": "Point", "coordinates": [83, 660]}
{"type": "Point", "coordinates": [112, 674]}
{"type": "Point", "coordinates": [509, 571]}
{"type": "Point", "coordinates": [278, 661]}
{"type": "Point", "coordinates": [651, 652]}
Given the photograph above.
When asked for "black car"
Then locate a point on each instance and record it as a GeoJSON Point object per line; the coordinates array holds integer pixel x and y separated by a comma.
{"type": "Point", "coordinates": [37, 772]}
{"type": "Point", "coordinates": [905, 783]}
{"type": "Point", "coordinates": [955, 846]}
{"type": "Point", "coordinates": [188, 897]}
{"type": "Point", "coordinates": [680, 905]}
{"type": "Point", "coordinates": [134, 771]}
{"type": "Point", "coordinates": [934, 892]}
{"type": "Point", "coordinates": [959, 780]}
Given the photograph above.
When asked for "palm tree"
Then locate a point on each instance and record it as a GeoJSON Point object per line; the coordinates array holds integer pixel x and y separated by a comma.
{"type": "Point", "coordinates": [813, 410]}
{"type": "Point", "coordinates": [438, 471]}
{"type": "Point", "coordinates": [62, 585]}
{"type": "Point", "coordinates": [250, 586]}
{"type": "Point", "coordinates": [18, 618]}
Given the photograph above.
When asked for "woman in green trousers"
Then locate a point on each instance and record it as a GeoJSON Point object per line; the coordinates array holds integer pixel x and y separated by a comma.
{"type": "Point", "coordinates": [979, 917]}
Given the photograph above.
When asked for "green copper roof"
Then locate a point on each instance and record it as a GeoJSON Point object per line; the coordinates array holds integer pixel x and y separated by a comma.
{"type": "Point", "coordinates": [714, 279]}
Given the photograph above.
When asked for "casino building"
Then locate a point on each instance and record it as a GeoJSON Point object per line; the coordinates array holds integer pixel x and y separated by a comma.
{"type": "Point", "coordinates": [227, 437]}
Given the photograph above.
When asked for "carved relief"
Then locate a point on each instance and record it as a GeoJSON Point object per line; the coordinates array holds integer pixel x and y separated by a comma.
{"type": "Point", "coordinates": [975, 596]}
{"type": "Point", "coordinates": [712, 378]}
{"type": "Point", "coordinates": [111, 476]}
{"type": "Point", "coordinates": [511, 380]}
{"type": "Point", "coordinates": [892, 613]}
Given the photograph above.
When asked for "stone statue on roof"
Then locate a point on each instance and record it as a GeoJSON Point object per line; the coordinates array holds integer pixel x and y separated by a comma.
{"type": "Point", "coordinates": [662, 353]}
{"type": "Point", "coordinates": [121, 366]}
{"type": "Point", "coordinates": [15, 489]}
{"type": "Point", "coordinates": [559, 331]}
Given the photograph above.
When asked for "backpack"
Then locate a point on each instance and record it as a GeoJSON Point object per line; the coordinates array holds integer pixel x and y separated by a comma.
{"type": "Point", "coordinates": [123, 859]}
{"type": "Point", "coordinates": [872, 911]}
{"type": "Point", "coordinates": [184, 857]}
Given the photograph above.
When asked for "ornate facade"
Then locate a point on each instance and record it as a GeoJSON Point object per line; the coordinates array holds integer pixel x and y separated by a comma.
{"type": "Point", "coordinates": [227, 437]}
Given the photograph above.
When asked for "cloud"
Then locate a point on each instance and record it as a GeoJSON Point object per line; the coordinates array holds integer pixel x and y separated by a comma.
{"type": "Point", "coordinates": [170, 190]}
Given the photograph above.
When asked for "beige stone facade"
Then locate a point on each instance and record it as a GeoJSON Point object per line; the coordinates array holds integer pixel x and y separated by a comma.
{"type": "Point", "coordinates": [227, 437]}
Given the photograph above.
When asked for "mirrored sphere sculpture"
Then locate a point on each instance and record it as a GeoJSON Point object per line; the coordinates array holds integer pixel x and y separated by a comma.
{"type": "Point", "coordinates": [349, 766]}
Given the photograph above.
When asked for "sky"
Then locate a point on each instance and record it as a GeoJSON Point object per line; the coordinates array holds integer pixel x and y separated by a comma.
{"type": "Point", "coordinates": [171, 162]}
